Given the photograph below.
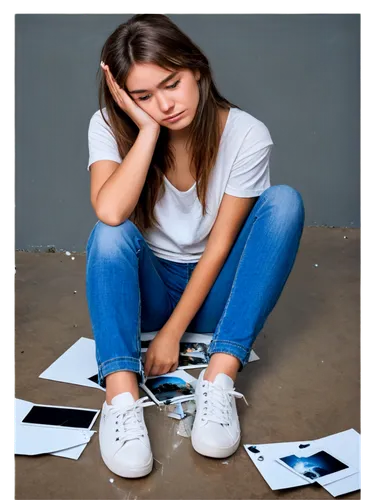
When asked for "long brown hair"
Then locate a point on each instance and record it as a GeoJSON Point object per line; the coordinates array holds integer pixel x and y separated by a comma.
{"type": "Point", "coordinates": [154, 38]}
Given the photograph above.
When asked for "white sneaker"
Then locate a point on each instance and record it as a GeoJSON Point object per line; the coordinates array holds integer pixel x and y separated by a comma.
{"type": "Point", "coordinates": [123, 437]}
{"type": "Point", "coordinates": [216, 430]}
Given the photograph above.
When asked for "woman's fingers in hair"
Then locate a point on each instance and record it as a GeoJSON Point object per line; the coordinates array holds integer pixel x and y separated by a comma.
{"type": "Point", "coordinates": [112, 84]}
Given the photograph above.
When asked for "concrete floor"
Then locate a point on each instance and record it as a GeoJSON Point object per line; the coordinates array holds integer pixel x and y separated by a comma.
{"type": "Point", "coordinates": [306, 384]}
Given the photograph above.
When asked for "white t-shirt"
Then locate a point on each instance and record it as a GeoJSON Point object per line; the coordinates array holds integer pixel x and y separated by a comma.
{"type": "Point", "coordinates": [241, 169]}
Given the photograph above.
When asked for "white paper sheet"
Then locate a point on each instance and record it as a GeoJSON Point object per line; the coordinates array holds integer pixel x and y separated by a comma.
{"type": "Point", "coordinates": [347, 446]}
{"type": "Point", "coordinates": [347, 485]}
{"type": "Point", "coordinates": [35, 440]}
{"type": "Point", "coordinates": [343, 445]}
{"type": "Point", "coordinates": [308, 465]}
{"type": "Point", "coordinates": [76, 365]}
{"type": "Point", "coordinates": [74, 453]}
{"type": "Point", "coordinates": [275, 475]}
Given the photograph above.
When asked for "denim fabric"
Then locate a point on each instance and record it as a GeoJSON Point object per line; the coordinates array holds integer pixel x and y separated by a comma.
{"type": "Point", "coordinates": [130, 290]}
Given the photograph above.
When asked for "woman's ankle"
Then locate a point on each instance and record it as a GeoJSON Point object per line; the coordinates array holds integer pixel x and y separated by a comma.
{"type": "Point", "coordinates": [119, 382]}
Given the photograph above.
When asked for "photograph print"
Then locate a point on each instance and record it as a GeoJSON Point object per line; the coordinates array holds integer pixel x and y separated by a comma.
{"type": "Point", "coordinates": [315, 466]}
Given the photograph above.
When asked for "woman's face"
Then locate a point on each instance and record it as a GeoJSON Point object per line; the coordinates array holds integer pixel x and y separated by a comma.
{"type": "Point", "coordinates": [163, 99]}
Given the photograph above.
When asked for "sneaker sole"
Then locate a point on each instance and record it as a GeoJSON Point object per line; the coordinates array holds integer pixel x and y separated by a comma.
{"type": "Point", "coordinates": [131, 473]}
{"type": "Point", "coordinates": [208, 451]}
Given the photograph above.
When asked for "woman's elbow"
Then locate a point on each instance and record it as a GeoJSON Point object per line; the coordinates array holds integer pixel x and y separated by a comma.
{"type": "Point", "coordinates": [109, 218]}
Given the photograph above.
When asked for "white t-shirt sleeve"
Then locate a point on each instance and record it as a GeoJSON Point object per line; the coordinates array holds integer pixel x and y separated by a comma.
{"type": "Point", "coordinates": [101, 141]}
{"type": "Point", "coordinates": [250, 174]}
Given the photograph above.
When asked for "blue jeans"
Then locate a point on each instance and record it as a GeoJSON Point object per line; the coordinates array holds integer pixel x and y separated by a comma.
{"type": "Point", "coordinates": [130, 290]}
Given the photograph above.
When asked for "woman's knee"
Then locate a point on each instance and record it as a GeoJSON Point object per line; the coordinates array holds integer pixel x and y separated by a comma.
{"type": "Point", "coordinates": [109, 240]}
{"type": "Point", "coordinates": [286, 202]}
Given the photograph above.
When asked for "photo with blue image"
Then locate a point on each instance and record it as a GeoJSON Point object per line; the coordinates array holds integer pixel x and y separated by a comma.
{"type": "Point", "coordinates": [318, 465]}
{"type": "Point", "coordinates": [166, 387]}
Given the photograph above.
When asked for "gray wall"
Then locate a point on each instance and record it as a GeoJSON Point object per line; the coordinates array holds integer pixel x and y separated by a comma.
{"type": "Point", "coordinates": [298, 73]}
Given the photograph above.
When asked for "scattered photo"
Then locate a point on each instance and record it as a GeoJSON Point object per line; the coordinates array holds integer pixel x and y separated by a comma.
{"type": "Point", "coordinates": [170, 388]}
{"type": "Point", "coordinates": [185, 362]}
{"type": "Point", "coordinates": [342, 448]}
{"type": "Point", "coordinates": [193, 349]}
{"type": "Point", "coordinates": [314, 466]}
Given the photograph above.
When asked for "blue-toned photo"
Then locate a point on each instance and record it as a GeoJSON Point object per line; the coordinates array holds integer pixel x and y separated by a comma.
{"type": "Point", "coordinates": [318, 465]}
{"type": "Point", "coordinates": [169, 387]}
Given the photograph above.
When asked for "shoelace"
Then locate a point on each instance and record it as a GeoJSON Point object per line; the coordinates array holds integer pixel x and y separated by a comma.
{"type": "Point", "coordinates": [128, 421]}
{"type": "Point", "coordinates": [218, 404]}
